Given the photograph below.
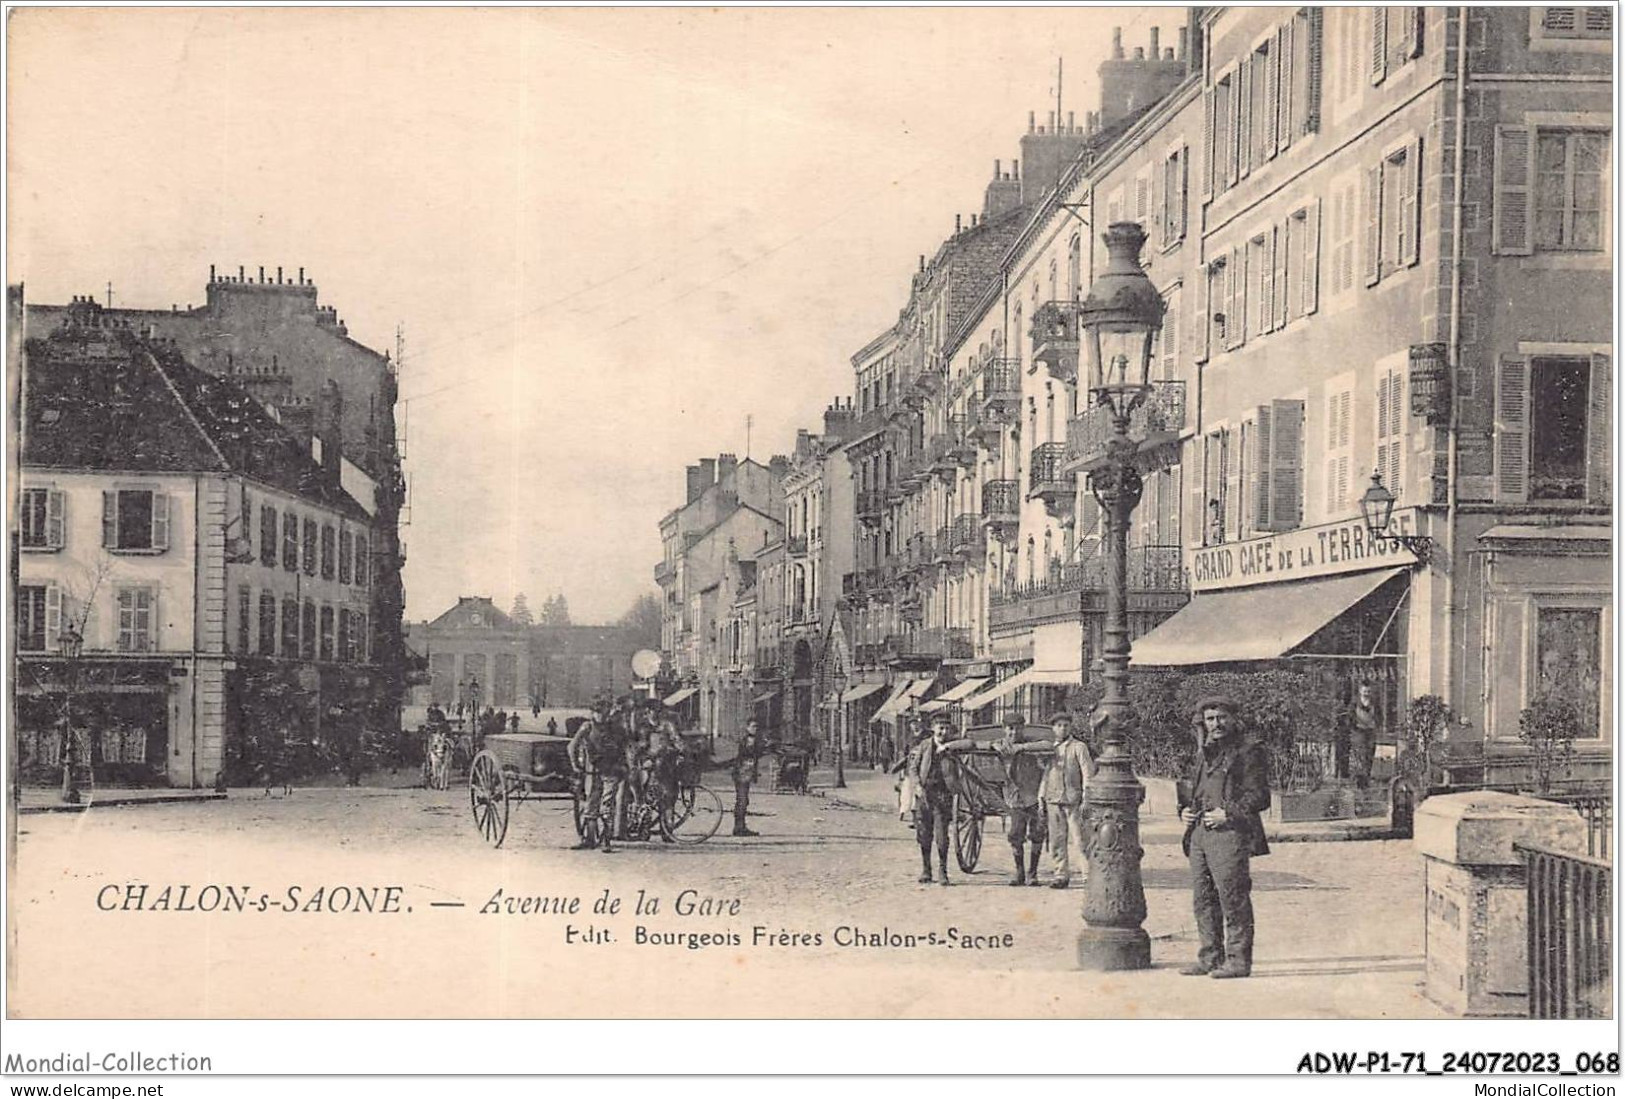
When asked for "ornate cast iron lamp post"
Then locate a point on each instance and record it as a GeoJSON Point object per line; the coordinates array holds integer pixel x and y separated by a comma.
{"type": "Point", "coordinates": [72, 645]}
{"type": "Point", "coordinates": [1118, 321]}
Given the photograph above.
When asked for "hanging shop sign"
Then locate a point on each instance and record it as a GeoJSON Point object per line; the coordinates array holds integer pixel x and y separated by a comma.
{"type": "Point", "coordinates": [1326, 550]}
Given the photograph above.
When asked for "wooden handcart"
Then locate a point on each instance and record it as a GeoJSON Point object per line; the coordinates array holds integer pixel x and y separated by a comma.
{"type": "Point", "coordinates": [975, 776]}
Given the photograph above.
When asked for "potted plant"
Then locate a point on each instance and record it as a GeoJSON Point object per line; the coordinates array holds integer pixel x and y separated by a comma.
{"type": "Point", "coordinates": [1549, 726]}
{"type": "Point", "coordinates": [1427, 719]}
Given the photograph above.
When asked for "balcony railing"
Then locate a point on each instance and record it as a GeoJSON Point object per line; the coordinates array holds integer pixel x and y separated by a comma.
{"type": "Point", "coordinates": [944, 545]}
{"type": "Point", "coordinates": [967, 536]}
{"type": "Point", "coordinates": [943, 643]}
{"type": "Point", "coordinates": [1055, 339]}
{"type": "Point", "coordinates": [1154, 574]}
{"type": "Point", "coordinates": [1570, 921]}
{"type": "Point", "coordinates": [1046, 471]}
{"type": "Point", "coordinates": [1001, 503]}
{"type": "Point", "coordinates": [1001, 385]}
{"type": "Point", "coordinates": [965, 448]}
{"type": "Point", "coordinates": [796, 545]}
{"type": "Point", "coordinates": [1156, 424]}
{"type": "Point", "coordinates": [870, 506]}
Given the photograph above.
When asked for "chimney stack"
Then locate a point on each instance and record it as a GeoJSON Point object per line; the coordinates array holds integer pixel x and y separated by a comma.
{"type": "Point", "coordinates": [330, 427]}
{"type": "Point", "coordinates": [1117, 43]}
{"type": "Point", "coordinates": [727, 466]}
{"type": "Point", "coordinates": [1184, 41]}
{"type": "Point", "coordinates": [956, 224]}
{"type": "Point", "coordinates": [1154, 51]}
{"type": "Point", "coordinates": [695, 487]}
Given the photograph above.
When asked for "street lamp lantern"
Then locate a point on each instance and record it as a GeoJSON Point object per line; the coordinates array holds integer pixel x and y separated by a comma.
{"type": "Point", "coordinates": [1120, 320]}
{"type": "Point", "coordinates": [1377, 509]}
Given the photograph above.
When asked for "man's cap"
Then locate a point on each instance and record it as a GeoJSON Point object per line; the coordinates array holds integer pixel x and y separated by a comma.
{"type": "Point", "coordinates": [1064, 715]}
{"type": "Point", "coordinates": [1011, 718]}
{"type": "Point", "coordinates": [941, 718]}
{"type": "Point", "coordinates": [1218, 702]}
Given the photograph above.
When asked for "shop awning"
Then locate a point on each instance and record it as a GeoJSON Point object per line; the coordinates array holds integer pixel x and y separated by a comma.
{"type": "Point", "coordinates": [1259, 623]}
{"type": "Point", "coordinates": [895, 703]}
{"type": "Point", "coordinates": [997, 691]}
{"type": "Point", "coordinates": [861, 691]}
{"type": "Point", "coordinates": [677, 698]}
{"type": "Point", "coordinates": [956, 693]}
{"type": "Point", "coordinates": [766, 696]}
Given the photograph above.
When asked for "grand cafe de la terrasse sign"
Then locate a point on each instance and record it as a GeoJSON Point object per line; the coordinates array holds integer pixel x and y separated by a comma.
{"type": "Point", "coordinates": [1326, 550]}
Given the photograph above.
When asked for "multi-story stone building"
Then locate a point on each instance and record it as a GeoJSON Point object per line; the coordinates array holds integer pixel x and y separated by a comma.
{"type": "Point", "coordinates": [218, 575]}
{"type": "Point", "coordinates": [1399, 271]}
{"type": "Point", "coordinates": [294, 356]}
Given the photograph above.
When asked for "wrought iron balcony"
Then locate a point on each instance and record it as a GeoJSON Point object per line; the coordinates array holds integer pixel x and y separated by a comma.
{"type": "Point", "coordinates": [965, 448]}
{"type": "Point", "coordinates": [911, 607]}
{"type": "Point", "coordinates": [1055, 339]}
{"type": "Point", "coordinates": [938, 450]}
{"type": "Point", "coordinates": [1001, 504]}
{"type": "Point", "coordinates": [796, 545]}
{"type": "Point", "coordinates": [968, 542]}
{"type": "Point", "coordinates": [871, 506]}
{"type": "Point", "coordinates": [943, 643]}
{"type": "Point", "coordinates": [664, 571]}
{"type": "Point", "coordinates": [1154, 429]}
{"type": "Point", "coordinates": [1001, 389]}
{"type": "Point", "coordinates": [1156, 582]}
{"type": "Point", "coordinates": [944, 545]}
{"type": "Point", "coordinates": [1049, 481]}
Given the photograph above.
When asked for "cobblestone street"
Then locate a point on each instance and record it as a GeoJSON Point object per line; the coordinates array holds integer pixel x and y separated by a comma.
{"type": "Point", "coordinates": [1340, 924]}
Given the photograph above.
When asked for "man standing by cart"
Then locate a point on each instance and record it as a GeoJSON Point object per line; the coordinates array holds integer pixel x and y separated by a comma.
{"type": "Point", "coordinates": [1023, 776]}
{"type": "Point", "coordinates": [1063, 792]}
{"type": "Point", "coordinates": [599, 754]}
{"type": "Point", "coordinates": [746, 770]}
{"type": "Point", "coordinates": [935, 808]}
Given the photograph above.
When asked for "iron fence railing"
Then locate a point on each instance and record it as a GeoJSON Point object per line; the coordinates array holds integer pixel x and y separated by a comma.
{"type": "Point", "coordinates": [1570, 916]}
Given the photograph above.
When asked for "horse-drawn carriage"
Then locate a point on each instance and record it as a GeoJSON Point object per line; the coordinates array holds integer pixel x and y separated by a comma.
{"type": "Point", "coordinates": [517, 767]}
{"type": "Point", "coordinates": [976, 775]}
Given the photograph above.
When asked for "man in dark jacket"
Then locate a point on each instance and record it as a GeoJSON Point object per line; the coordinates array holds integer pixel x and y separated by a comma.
{"type": "Point", "coordinates": [1228, 789]}
{"type": "Point", "coordinates": [746, 768]}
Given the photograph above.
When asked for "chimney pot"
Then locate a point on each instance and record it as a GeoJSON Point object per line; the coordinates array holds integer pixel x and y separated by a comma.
{"type": "Point", "coordinates": [956, 223]}
{"type": "Point", "coordinates": [998, 166]}
{"type": "Point", "coordinates": [239, 272]}
{"type": "Point", "coordinates": [1184, 39]}
{"type": "Point", "coordinates": [301, 276]}
{"type": "Point", "coordinates": [1168, 53]}
{"type": "Point", "coordinates": [1155, 53]}
{"type": "Point", "coordinates": [262, 274]}
{"type": "Point", "coordinates": [1031, 116]}
{"type": "Point", "coordinates": [1117, 43]}
{"type": "Point", "coordinates": [1139, 53]}
{"type": "Point", "coordinates": [211, 272]}
{"type": "Point", "coordinates": [1070, 125]}
{"type": "Point", "coordinates": [1015, 168]}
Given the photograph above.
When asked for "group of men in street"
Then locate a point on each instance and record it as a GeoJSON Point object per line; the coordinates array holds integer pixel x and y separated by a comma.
{"type": "Point", "coordinates": [621, 755]}
{"type": "Point", "coordinates": [1042, 800]}
{"type": "Point", "coordinates": [1221, 803]}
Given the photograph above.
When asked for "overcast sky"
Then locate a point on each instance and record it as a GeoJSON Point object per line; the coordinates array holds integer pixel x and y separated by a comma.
{"type": "Point", "coordinates": [611, 235]}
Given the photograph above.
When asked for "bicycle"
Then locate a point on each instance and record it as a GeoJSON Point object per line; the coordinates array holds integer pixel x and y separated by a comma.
{"type": "Point", "coordinates": [693, 815]}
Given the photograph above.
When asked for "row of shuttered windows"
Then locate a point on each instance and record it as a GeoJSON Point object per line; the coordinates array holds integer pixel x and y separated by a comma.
{"type": "Point", "coordinates": [298, 629]}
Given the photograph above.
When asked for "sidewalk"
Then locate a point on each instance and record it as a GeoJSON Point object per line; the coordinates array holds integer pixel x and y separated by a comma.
{"type": "Point", "coordinates": [48, 799]}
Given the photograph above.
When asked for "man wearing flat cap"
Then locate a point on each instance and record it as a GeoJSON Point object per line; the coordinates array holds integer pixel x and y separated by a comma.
{"type": "Point", "coordinates": [1024, 811]}
{"type": "Point", "coordinates": [935, 809]}
{"type": "Point", "coordinates": [1229, 788]}
{"type": "Point", "coordinates": [1063, 793]}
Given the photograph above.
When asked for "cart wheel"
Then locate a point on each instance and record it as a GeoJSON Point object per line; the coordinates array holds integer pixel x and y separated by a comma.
{"type": "Point", "coordinates": [967, 835]}
{"type": "Point", "coordinates": [697, 820]}
{"type": "Point", "coordinates": [488, 797]}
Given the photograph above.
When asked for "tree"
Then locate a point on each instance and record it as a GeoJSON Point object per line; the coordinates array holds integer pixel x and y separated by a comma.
{"type": "Point", "coordinates": [1549, 726]}
{"type": "Point", "coordinates": [521, 611]}
{"type": "Point", "coordinates": [556, 611]}
{"type": "Point", "coordinates": [642, 620]}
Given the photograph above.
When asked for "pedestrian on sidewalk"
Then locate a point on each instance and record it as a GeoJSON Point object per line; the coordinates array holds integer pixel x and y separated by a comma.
{"type": "Point", "coordinates": [746, 770]}
{"type": "Point", "coordinates": [935, 808]}
{"type": "Point", "coordinates": [1229, 788]}
{"type": "Point", "coordinates": [1023, 776]}
{"type": "Point", "coordinates": [1063, 793]}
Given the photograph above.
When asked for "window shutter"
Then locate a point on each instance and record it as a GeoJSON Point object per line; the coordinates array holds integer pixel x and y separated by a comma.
{"type": "Point", "coordinates": [160, 521]}
{"type": "Point", "coordinates": [1244, 120]}
{"type": "Point", "coordinates": [1514, 188]}
{"type": "Point", "coordinates": [126, 620]}
{"type": "Point", "coordinates": [1170, 337]}
{"type": "Point", "coordinates": [53, 615]}
{"type": "Point", "coordinates": [1259, 460]}
{"type": "Point", "coordinates": [1204, 315]}
{"type": "Point", "coordinates": [1268, 135]}
{"type": "Point", "coordinates": [1281, 243]}
{"type": "Point", "coordinates": [1285, 452]}
{"type": "Point", "coordinates": [1383, 412]}
{"type": "Point", "coordinates": [1379, 44]}
{"type": "Point", "coordinates": [1286, 96]}
{"type": "Point", "coordinates": [1184, 190]}
{"type": "Point", "coordinates": [1410, 43]}
{"type": "Point", "coordinates": [1410, 207]}
{"type": "Point", "coordinates": [56, 508]}
{"type": "Point", "coordinates": [1372, 258]}
{"type": "Point", "coordinates": [152, 620]}
{"type": "Point", "coordinates": [1311, 258]}
{"type": "Point", "coordinates": [1512, 428]}
{"type": "Point", "coordinates": [1235, 321]}
{"type": "Point", "coordinates": [1333, 501]}
{"type": "Point", "coordinates": [1599, 431]}
{"type": "Point", "coordinates": [1314, 65]}
{"type": "Point", "coordinates": [109, 520]}
{"type": "Point", "coordinates": [1156, 221]}
{"type": "Point", "coordinates": [1209, 160]}
{"type": "Point", "coordinates": [1229, 460]}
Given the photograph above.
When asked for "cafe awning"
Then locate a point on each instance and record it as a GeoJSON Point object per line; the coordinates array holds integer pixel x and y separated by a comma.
{"type": "Point", "coordinates": [896, 702]}
{"type": "Point", "coordinates": [956, 693]}
{"type": "Point", "coordinates": [997, 691]}
{"type": "Point", "coordinates": [861, 691]}
{"type": "Point", "coordinates": [766, 696]}
{"type": "Point", "coordinates": [677, 698]}
{"type": "Point", "coordinates": [1257, 623]}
